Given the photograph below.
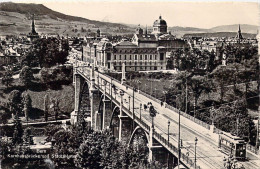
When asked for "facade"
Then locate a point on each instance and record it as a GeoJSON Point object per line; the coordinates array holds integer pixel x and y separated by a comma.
{"type": "Point", "coordinates": [145, 52]}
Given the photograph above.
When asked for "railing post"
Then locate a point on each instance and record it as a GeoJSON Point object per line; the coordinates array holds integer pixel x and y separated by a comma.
{"type": "Point", "coordinates": [120, 116]}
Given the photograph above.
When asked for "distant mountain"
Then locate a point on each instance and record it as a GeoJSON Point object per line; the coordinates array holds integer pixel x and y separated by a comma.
{"type": "Point", "coordinates": [219, 34]}
{"type": "Point", "coordinates": [187, 29]}
{"type": "Point", "coordinates": [234, 28]}
{"type": "Point", "coordinates": [39, 9]}
{"type": "Point", "coordinates": [16, 19]}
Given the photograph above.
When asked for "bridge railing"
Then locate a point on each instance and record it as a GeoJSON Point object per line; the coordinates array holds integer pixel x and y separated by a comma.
{"type": "Point", "coordinates": [150, 97]}
{"type": "Point", "coordinates": [184, 158]}
{"type": "Point", "coordinates": [201, 123]}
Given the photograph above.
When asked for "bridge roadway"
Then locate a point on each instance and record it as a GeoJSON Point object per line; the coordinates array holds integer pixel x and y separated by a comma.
{"type": "Point", "coordinates": [208, 155]}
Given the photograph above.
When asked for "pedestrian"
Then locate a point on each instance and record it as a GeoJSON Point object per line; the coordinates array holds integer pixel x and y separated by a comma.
{"type": "Point", "coordinates": [161, 103]}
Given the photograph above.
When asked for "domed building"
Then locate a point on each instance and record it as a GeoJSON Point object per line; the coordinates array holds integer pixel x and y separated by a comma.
{"type": "Point", "coordinates": [146, 51]}
{"type": "Point", "coordinates": [159, 26]}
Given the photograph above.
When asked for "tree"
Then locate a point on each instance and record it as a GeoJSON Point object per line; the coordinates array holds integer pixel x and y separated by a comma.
{"type": "Point", "coordinates": [221, 75]}
{"type": "Point", "coordinates": [46, 109]}
{"type": "Point", "coordinates": [18, 131]}
{"type": "Point", "coordinates": [27, 104]}
{"type": "Point", "coordinates": [197, 86]}
{"type": "Point", "coordinates": [4, 114]}
{"type": "Point", "coordinates": [15, 102]}
{"type": "Point", "coordinates": [26, 76]}
{"type": "Point", "coordinates": [66, 143]}
{"type": "Point", "coordinates": [27, 136]}
{"type": "Point", "coordinates": [7, 78]}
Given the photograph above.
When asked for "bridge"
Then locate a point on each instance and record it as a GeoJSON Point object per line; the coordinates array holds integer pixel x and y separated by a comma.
{"type": "Point", "coordinates": [108, 103]}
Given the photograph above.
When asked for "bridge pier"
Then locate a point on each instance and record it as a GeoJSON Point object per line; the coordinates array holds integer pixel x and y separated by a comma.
{"type": "Point", "coordinates": [107, 113]}
{"type": "Point", "coordinates": [77, 86]}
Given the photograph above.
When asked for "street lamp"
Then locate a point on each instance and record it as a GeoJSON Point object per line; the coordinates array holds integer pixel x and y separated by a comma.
{"type": "Point", "coordinates": [140, 111]}
{"type": "Point", "coordinates": [152, 112]}
{"type": "Point", "coordinates": [129, 97]}
{"type": "Point", "coordinates": [169, 130]}
{"type": "Point", "coordinates": [196, 140]}
{"type": "Point", "coordinates": [168, 164]}
{"type": "Point", "coordinates": [194, 106]}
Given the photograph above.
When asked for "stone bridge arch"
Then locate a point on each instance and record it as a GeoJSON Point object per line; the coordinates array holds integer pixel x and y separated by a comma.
{"type": "Point", "coordinates": [114, 121]}
{"type": "Point", "coordinates": [139, 140]}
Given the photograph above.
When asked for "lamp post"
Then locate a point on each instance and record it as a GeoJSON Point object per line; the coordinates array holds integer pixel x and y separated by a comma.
{"type": "Point", "coordinates": [179, 139]}
{"type": "Point", "coordinates": [141, 111]}
{"type": "Point", "coordinates": [152, 114]}
{"type": "Point", "coordinates": [168, 161]}
{"type": "Point", "coordinates": [194, 107]}
{"type": "Point", "coordinates": [196, 140]}
{"type": "Point", "coordinates": [129, 97]}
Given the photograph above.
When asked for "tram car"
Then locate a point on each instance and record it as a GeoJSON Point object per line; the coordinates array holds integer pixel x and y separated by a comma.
{"type": "Point", "coordinates": [232, 145]}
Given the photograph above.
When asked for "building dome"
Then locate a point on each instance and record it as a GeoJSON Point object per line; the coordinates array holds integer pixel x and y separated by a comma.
{"type": "Point", "coordinates": [159, 22]}
{"type": "Point", "coordinates": [159, 26]}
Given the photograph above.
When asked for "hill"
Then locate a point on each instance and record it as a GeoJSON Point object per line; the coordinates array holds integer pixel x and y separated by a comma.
{"type": "Point", "coordinates": [15, 19]}
{"type": "Point", "coordinates": [234, 28]}
{"type": "Point", "coordinates": [219, 34]}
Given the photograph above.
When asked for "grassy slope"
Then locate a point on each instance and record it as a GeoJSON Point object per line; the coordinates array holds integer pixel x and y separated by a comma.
{"type": "Point", "coordinates": [65, 95]}
{"type": "Point", "coordinates": [15, 20]}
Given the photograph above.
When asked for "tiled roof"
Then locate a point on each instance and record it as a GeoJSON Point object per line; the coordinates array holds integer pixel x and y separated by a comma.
{"type": "Point", "coordinates": [146, 37]}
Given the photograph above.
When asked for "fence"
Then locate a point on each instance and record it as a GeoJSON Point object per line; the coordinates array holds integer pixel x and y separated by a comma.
{"type": "Point", "coordinates": [184, 158]}
{"type": "Point", "coordinates": [201, 123]}
{"type": "Point", "coordinates": [150, 97]}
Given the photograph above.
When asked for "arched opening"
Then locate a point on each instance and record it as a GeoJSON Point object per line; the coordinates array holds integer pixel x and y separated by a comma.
{"type": "Point", "coordinates": [139, 141]}
{"type": "Point", "coordinates": [114, 123]}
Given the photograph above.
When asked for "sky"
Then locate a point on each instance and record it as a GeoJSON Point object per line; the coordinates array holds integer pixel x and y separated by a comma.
{"type": "Point", "coordinates": [203, 14]}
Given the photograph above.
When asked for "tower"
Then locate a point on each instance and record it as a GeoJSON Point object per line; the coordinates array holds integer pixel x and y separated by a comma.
{"type": "Point", "coordinates": [98, 33]}
{"type": "Point", "coordinates": [239, 35]}
{"type": "Point", "coordinates": [33, 26]}
{"type": "Point", "coordinates": [139, 30]}
{"type": "Point", "coordinates": [33, 34]}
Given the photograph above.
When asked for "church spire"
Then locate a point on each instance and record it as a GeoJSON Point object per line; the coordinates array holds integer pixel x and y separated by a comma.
{"type": "Point", "coordinates": [239, 34]}
{"type": "Point", "coordinates": [33, 25]}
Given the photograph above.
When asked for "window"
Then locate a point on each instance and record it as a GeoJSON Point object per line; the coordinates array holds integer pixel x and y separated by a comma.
{"type": "Point", "coordinates": [151, 57]}
{"type": "Point", "coordinates": [135, 57]}
{"type": "Point", "coordinates": [140, 63]}
{"type": "Point", "coordinates": [155, 57]}
{"type": "Point", "coordinates": [140, 57]}
{"type": "Point", "coordinates": [145, 57]}
{"type": "Point", "coordinates": [125, 57]}
{"type": "Point", "coordinates": [161, 56]}
{"type": "Point", "coordinates": [135, 63]}
{"type": "Point", "coordinates": [114, 57]}
{"type": "Point", "coordinates": [108, 56]}
{"type": "Point", "coordinates": [130, 57]}
{"type": "Point", "coordinates": [119, 57]}
{"type": "Point", "coordinates": [130, 63]}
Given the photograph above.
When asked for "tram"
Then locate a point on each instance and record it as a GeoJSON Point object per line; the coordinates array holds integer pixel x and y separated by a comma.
{"type": "Point", "coordinates": [232, 145]}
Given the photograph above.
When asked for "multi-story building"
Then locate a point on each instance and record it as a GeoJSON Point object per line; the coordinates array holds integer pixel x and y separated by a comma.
{"type": "Point", "coordinates": [146, 51]}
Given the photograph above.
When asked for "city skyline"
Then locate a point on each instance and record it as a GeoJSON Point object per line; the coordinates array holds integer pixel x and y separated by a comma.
{"type": "Point", "coordinates": [200, 14]}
